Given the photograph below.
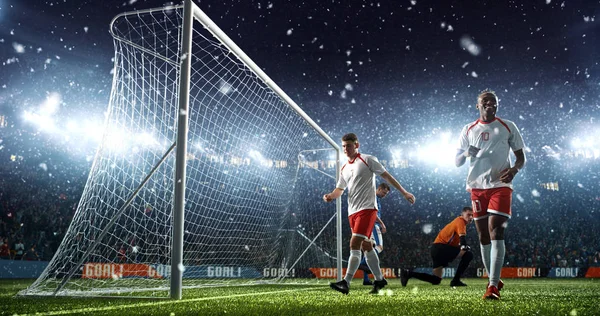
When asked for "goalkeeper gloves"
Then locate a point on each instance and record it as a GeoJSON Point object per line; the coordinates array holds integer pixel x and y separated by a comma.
{"type": "Point", "coordinates": [463, 243]}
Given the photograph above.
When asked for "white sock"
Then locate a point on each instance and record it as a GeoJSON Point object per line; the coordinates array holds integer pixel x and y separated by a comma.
{"type": "Point", "coordinates": [373, 262]}
{"type": "Point", "coordinates": [485, 256]}
{"type": "Point", "coordinates": [497, 261]}
{"type": "Point", "coordinates": [353, 263]}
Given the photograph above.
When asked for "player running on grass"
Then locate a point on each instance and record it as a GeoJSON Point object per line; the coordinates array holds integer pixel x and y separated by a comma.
{"type": "Point", "coordinates": [487, 143]}
{"type": "Point", "coordinates": [358, 175]}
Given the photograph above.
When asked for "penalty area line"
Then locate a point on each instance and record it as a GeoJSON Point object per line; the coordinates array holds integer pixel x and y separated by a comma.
{"type": "Point", "coordinates": [167, 302]}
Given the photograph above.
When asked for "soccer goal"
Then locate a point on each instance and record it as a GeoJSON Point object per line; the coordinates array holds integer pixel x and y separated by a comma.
{"type": "Point", "coordinates": [208, 173]}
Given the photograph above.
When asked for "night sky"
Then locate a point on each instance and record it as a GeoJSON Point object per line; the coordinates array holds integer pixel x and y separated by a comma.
{"type": "Point", "coordinates": [397, 73]}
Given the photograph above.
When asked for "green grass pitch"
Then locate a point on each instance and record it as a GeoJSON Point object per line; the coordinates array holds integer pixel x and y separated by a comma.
{"type": "Point", "coordinates": [519, 297]}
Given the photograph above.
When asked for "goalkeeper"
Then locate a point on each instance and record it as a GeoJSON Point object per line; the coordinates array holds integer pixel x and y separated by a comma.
{"type": "Point", "coordinates": [450, 243]}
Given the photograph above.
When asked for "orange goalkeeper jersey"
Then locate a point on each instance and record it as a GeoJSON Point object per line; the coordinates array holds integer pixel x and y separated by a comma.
{"type": "Point", "coordinates": [450, 234]}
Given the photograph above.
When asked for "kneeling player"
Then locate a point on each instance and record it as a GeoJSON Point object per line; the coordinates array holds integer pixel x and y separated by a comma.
{"type": "Point", "coordinates": [450, 243]}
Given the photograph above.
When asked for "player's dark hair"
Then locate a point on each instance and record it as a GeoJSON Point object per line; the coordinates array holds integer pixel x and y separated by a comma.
{"type": "Point", "coordinates": [467, 208]}
{"type": "Point", "coordinates": [384, 185]}
{"type": "Point", "coordinates": [487, 91]}
{"type": "Point", "coordinates": [350, 137]}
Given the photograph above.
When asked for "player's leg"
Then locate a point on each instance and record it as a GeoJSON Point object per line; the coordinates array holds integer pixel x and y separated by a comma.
{"type": "Point", "coordinates": [479, 201]}
{"type": "Point", "coordinates": [358, 237]}
{"type": "Point", "coordinates": [364, 267]}
{"type": "Point", "coordinates": [377, 245]}
{"type": "Point", "coordinates": [440, 258]}
{"type": "Point", "coordinates": [497, 224]}
{"type": "Point", "coordinates": [355, 257]}
{"type": "Point", "coordinates": [364, 226]}
{"type": "Point", "coordinates": [343, 285]}
{"type": "Point", "coordinates": [435, 278]}
{"type": "Point", "coordinates": [377, 239]}
{"type": "Point", "coordinates": [500, 212]}
{"type": "Point", "coordinates": [375, 236]}
{"type": "Point", "coordinates": [465, 258]}
{"type": "Point", "coordinates": [371, 257]}
{"type": "Point", "coordinates": [361, 225]}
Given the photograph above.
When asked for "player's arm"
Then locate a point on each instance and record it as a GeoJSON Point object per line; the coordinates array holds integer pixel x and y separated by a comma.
{"type": "Point", "coordinates": [461, 230]}
{"type": "Point", "coordinates": [463, 243]}
{"type": "Point", "coordinates": [391, 180]}
{"type": "Point", "coordinates": [381, 224]}
{"type": "Point", "coordinates": [336, 193]}
{"type": "Point", "coordinates": [461, 155]}
{"type": "Point", "coordinates": [509, 174]}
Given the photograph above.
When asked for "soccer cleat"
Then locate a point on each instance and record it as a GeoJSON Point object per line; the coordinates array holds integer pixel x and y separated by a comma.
{"type": "Point", "coordinates": [500, 285]}
{"type": "Point", "coordinates": [491, 293]}
{"type": "Point", "coordinates": [378, 285]}
{"type": "Point", "coordinates": [341, 286]}
{"type": "Point", "coordinates": [457, 283]}
{"type": "Point", "coordinates": [367, 282]}
{"type": "Point", "coordinates": [404, 276]}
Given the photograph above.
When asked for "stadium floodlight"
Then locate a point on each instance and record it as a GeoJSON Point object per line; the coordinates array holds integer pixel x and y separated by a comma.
{"type": "Point", "coordinates": [438, 151]}
{"type": "Point", "coordinates": [51, 104]}
{"type": "Point", "coordinates": [154, 217]}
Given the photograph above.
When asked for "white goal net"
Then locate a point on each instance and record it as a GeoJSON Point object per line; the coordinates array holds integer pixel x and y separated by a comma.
{"type": "Point", "coordinates": [257, 168]}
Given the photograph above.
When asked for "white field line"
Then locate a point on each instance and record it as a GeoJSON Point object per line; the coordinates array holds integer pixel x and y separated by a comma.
{"type": "Point", "coordinates": [165, 302]}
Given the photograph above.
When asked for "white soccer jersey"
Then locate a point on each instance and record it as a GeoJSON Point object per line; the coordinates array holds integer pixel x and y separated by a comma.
{"type": "Point", "coordinates": [358, 175]}
{"type": "Point", "coordinates": [495, 139]}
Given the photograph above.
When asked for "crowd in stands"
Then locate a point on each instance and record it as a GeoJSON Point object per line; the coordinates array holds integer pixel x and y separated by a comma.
{"type": "Point", "coordinates": [37, 202]}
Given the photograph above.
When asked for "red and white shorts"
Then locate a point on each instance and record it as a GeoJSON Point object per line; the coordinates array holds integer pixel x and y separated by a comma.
{"type": "Point", "coordinates": [491, 201]}
{"type": "Point", "coordinates": [362, 222]}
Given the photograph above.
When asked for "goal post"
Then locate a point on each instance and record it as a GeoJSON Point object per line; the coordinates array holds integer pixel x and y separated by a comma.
{"type": "Point", "coordinates": [208, 172]}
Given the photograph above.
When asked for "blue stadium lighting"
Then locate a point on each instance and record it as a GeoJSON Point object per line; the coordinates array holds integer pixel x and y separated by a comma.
{"type": "Point", "coordinates": [438, 150]}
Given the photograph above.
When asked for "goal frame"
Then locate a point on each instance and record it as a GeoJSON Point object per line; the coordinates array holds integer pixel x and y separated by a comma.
{"type": "Point", "coordinates": [191, 12]}
{"type": "Point", "coordinates": [190, 20]}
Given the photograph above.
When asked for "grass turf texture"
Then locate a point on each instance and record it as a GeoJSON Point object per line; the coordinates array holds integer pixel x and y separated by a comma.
{"type": "Point", "coordinates": [519, 297]}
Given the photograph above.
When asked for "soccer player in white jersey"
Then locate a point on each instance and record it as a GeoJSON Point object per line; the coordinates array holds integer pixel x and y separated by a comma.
{"type": "Point", "coordinates": [358, 175]}
{"type": "Point", "coordinates": [487, 143]}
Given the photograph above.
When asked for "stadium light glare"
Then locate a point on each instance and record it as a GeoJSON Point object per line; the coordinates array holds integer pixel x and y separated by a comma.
{"type": "Point", "coordinates": [50, 105]}
{"type": "Point", "coordinates": [43, 123]}
{"type": "Point", "coordinates": [94, 131]}
{"type": "Point", "coordinates": [117, 141]}
{"type": "Point", "coordinates": [28, 116]}
{"type": "Point", "coordinates": [576, 143]}
{"type": "Point", "coordinates": [146, 140]}
{"type": "Point", "coordinates": [438, 153]}
{"type": "Point", "coordinates": [396, 153]}
{"type": "Point", "coordinates": [198, 145]}
{"type": "Point", "coordinates": [257, 156]}
{"type": "Point", "coordinates": [72, 126]}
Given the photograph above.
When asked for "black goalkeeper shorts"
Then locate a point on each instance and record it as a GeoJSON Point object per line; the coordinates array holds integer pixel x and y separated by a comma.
{"type": "Point", "coordinates": [443, 254]}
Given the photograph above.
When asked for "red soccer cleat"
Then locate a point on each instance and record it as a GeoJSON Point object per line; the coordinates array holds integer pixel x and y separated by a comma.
{"type": "Point", "coordinates": [500, 285]}
{"type": "Point", "coordinates": [491, 293]}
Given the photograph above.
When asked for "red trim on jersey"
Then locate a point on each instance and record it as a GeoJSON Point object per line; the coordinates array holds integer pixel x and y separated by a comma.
{"type": "Point", "coordinates": [484, 122]}
{"type": "Point", "coordinates": [344, 166]}
{"type": "Point", "coordinates": [502, 122]}
{"type": "Point", "coordinates": [470, 127]}
{"type": "Point", "coordinates": [359, 157]}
